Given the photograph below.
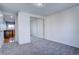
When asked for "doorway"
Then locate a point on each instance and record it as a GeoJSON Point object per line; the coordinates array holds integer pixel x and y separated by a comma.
{"type": "Point", "coordinates": [9, 32]}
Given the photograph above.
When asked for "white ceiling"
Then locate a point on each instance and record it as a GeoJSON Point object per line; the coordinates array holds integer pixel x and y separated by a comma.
{"type": "Point", "coordinates": [46, 9]}
{"type": "Point", "coordinates": [8, 18]}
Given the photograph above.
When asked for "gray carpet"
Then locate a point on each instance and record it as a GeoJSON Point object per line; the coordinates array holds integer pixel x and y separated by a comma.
{"type": "Point", "coordinates": [38, 47]}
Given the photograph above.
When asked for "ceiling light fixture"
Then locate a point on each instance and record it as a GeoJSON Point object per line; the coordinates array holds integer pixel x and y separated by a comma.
{"type": "Point", "coordinates": [11, 16]}
{"type": "Point", "coordinates": [38, 4]}
{"type": "Point", "coordinates": [1, 15]}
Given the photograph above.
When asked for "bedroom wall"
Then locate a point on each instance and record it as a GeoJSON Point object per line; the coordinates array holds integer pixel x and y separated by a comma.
{"type": "Point", "coordinates": [63, 27]}
{"type": "Point", "coordinates": [2, 27]}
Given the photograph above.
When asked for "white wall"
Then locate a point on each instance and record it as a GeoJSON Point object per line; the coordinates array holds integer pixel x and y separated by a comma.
{"type": "Point", "coordinates": [63, 27]}
{"type": "Point", "coordinates": [23, 24]}
{"type": "Point", "coordinates": [2, 27]}
{"type": "Point", "coordinates": [16, 29]}
{"type": "Point", "coordinates": [37, 27]}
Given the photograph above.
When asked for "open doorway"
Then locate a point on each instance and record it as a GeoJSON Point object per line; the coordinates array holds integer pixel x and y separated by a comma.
{"type": "Point", "coordinates": [9, 32]}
